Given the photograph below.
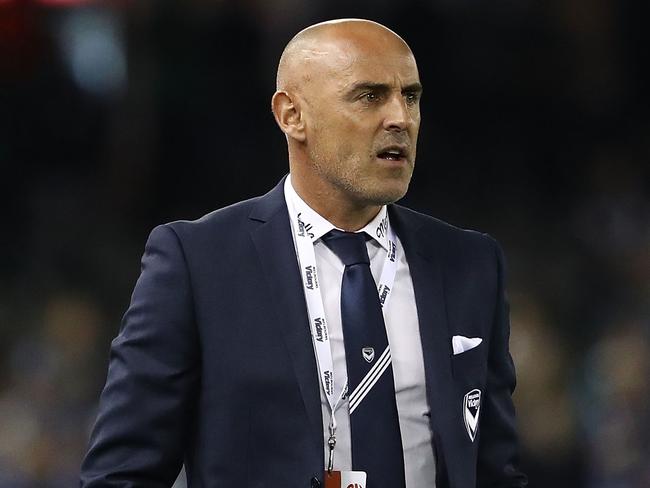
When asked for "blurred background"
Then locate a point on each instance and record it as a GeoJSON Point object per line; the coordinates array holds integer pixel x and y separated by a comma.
{"type": "Point", "coordinates": [117, 116]}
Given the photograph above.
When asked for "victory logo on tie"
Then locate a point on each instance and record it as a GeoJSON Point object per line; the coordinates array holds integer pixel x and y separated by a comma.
{"type": "Point", "coordinates": [368, 354]}
{"type": "Point", "coordinates": [471, 408]}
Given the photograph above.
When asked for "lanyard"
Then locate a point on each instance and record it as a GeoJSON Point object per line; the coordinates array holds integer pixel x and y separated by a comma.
{"type": "Point", "coordinates": [315, 308]}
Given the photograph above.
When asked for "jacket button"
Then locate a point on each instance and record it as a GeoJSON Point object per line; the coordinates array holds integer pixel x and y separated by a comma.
{"type": "Point", "coordinates": [315, 482]}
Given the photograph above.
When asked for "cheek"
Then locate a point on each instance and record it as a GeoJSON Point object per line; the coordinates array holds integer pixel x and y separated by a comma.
{"type": "Point", "coordinates": [416, 124]}
{"type": "Point", "coordinates": [341, 139]}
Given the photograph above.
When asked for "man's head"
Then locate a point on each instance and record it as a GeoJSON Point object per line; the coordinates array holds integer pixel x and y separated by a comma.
{"type": "Point", "coordinates": [347, 99]}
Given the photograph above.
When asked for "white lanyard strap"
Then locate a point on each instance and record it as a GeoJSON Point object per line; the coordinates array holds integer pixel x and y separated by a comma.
{"type": "Point", "coordinates": [315, 308]}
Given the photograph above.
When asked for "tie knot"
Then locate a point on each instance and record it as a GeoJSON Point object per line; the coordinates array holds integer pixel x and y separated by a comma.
{"type": "Point", "coordinates": [350, 247]}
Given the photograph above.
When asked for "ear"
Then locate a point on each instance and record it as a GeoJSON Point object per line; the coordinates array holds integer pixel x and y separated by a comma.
{"type": "Point", "coordinates": [288, 116]}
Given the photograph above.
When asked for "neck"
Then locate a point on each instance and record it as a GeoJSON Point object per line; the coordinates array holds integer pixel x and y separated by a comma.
{"type": "Point", "coordinates": [333, 206]}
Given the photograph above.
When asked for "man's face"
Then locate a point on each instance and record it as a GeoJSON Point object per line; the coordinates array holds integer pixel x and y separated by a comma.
{"type": "Point", "coordinates": [362, 119]}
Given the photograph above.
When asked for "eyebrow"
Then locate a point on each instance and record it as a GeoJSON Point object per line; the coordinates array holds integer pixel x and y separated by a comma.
{"type": "Point", "coordinates": [383, 87]}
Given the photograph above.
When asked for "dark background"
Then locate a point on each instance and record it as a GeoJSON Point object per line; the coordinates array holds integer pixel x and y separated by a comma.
{"type": "Point", "coordinates": [117, 116]}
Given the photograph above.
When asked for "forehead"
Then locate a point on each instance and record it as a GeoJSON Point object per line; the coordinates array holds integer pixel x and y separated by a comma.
{"type": "Point", "coordinates": [343, 62]}
{"type": "Point", "coordinates": [398, 68]}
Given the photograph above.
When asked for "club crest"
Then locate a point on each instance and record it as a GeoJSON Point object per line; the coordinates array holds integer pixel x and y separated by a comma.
{"type": "Point", "coordinates": [471, 409]}
{"type": "Point", "coordinates": [368, 354]}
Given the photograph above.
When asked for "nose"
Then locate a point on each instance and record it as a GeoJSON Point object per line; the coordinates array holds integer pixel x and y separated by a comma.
{"type": "Point", "coordinates": [397, 116]}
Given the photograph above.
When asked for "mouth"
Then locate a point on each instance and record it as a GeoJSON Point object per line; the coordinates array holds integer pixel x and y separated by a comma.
{"type": "Point", "coordinates": [393, 153]}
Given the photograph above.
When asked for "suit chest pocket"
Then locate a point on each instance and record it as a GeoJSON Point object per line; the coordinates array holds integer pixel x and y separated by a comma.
{"type": "Point", "coordinates": [472, 363]}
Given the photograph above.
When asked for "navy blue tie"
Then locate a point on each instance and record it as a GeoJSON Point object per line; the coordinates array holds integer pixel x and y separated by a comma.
{"type": "Point", "coordinates": [376, 440]}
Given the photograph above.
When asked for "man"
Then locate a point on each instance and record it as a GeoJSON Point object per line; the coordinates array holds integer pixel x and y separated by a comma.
{"type": "Point", "coordinates": [259, 350]}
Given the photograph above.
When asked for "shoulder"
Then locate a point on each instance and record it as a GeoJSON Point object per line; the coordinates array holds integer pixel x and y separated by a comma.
{"type": "Point", "coordinates": [220, 229]}
{"type": "Point", "coordinates": [466, 256]}
{"type": "Point", "coordinates": [446, 237]}
{"type": "Point", "coordinates": [230, 217]}
{"type": "Point", "coordinates": [228, 223]}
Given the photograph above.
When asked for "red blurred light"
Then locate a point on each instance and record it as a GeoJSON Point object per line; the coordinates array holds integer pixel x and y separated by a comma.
{"type": "Point", "coordinates": [63, 3]}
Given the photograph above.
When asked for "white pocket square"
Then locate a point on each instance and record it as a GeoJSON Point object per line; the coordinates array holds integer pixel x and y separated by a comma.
{"type": "Point", "coordinates": [462, 344]}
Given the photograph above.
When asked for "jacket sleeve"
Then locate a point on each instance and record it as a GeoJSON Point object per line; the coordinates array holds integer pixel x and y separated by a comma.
{"type": "Point", "coordinates": [498, 457]}
{"type": "Point", "coordinates": [145, 408]}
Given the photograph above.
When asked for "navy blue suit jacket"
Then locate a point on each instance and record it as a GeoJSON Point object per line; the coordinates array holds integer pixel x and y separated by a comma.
{"type": "Point", "coordinates": [214, 364]}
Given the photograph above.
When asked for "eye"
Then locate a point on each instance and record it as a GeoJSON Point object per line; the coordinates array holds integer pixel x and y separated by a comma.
{"type": "Point", "coordinates": [370, 97]}
{"type": "Point", "coordinates": [411, 97]}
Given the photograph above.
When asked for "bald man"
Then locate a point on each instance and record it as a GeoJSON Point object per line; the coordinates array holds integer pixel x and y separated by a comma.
{"type": "Point", "coordinates": [319, 335]}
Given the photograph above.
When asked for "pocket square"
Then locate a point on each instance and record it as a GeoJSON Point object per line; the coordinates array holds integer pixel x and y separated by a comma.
{"type": "Point", "coordinates": [461, 343]}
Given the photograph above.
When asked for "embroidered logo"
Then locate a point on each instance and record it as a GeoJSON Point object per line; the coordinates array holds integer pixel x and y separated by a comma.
{"type": "Point", "coordinates": [368, 354]}
{"type": "Point", "coordinates": [471, 409]}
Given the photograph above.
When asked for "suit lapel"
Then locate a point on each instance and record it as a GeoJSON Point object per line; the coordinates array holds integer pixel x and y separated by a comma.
{"type": "Point", "coordinates": [271, 236]}
{"type": "Point", "coordinates": [425, 264]}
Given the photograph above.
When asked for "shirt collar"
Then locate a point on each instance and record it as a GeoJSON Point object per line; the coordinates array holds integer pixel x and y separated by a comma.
{"type": "Point", "coordinates": [317, 226]}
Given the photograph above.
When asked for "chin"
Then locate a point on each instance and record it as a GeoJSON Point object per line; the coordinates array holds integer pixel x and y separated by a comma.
{"type": "Point", "coordinates": [386, 196]}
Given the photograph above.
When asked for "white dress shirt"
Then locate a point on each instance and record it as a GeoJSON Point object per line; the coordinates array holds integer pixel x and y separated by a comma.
{"type": "Point", "coordinates": [403, 333]}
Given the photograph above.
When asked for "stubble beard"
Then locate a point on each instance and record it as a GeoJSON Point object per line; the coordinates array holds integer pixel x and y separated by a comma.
{"type": "Point", "coordinates": [344, 172]}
